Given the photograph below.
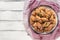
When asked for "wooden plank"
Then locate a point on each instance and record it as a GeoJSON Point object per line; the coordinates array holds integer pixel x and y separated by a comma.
{"type": "Point", "coordinates": [12, 5]}
{"type": "Point", "coordinates": [11, 15]}
{"type": "Point", "coordinates": [11, 0]}
{"type": "Point", "coordinates": [11, 25]}
{"type": "Point", "coordinates": [15, 35]}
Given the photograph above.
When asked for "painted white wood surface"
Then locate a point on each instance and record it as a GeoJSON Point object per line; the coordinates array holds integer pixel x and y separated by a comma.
{"type": "Point", "coordinates": [11, 25]}
{"type": "Point", "coordinates": [14, 35]}
{"type": "Point", "coordinates": [11, 0]}
{"type": "Point", "coordinates": [11, 5]}
{"type": "Point", "coordinates": [11, 15]}
{"type": "Point", "coordinates": [11, 21]}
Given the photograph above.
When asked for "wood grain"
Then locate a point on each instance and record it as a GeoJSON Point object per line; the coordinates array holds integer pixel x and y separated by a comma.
{"type": "Point", "coordinates": [11, 5]}
{"type": "Point", "coordinates": [14, 35]}
{"type": "Point", "coordinates": [11, 15]}
{"type": "Point", "coordinates": [11, 25]}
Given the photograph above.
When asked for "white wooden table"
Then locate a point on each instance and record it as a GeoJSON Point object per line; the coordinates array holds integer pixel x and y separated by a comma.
{"type": "Point", "coordinates": [11, 20]}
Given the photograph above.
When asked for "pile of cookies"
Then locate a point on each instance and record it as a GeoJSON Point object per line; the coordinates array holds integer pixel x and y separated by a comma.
{"type": "Point", "coordinates": [43, 19]}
